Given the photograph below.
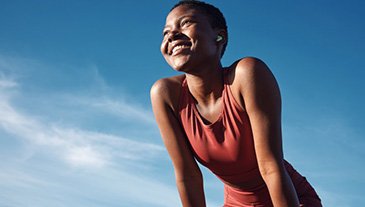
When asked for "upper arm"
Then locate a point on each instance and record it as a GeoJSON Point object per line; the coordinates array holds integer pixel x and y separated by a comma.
{"type": "Point", "coordinates": [262, 101]}
{"type": "Point", "coordinates": [164, 104]}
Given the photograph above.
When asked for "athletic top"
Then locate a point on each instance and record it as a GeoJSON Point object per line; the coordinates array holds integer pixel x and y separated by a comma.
{"type": "Point", "coordinates": [226, 146]}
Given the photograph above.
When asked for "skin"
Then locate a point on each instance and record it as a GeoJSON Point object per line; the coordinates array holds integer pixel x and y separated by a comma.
{"type": "Point", "coordinates": [252, 85]}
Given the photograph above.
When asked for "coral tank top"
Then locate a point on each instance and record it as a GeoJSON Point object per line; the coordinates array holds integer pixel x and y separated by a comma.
{"type": "Point", "coordinates": [226, 147]}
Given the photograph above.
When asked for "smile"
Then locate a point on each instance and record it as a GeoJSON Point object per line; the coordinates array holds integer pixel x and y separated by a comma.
{"type": "Point", "coordinates": [179, 47]}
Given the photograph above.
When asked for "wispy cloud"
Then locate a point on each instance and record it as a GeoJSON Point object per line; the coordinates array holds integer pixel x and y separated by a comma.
{"type": "Point", "coordinates": [92, 159]}
{"type": "Point", "coordinates": [76, 146]}
{"type": "Point", "coordinates": [7, 83]}
{"type": "Point", "coordinates": [120, 108]}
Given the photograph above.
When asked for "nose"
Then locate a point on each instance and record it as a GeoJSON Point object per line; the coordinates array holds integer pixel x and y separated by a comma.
{"type": "Point", "coordinates": [173, 35]}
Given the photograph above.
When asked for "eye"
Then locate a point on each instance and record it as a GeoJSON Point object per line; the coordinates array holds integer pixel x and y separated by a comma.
{"type": "Point", "coordinates": [165, 32]}
{"type": "Point", "coordinates": [186, 22]}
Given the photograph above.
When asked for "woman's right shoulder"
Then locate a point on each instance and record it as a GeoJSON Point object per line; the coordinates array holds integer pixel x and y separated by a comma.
{"type": "Point", "coordinates": [167, 90]}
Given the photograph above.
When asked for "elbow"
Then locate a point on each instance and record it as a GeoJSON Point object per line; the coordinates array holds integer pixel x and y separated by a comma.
{"type": "Point", "coordinates": [191, 178]}
{"type": "Point", "coordinates": [195, 182]}
{"type": "Point", "coordinates": [185, 179]}
{"type": "Point", "coordinates": [271, 171]}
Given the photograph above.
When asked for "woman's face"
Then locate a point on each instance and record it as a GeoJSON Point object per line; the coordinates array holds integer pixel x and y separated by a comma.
{"type": "Point", "coordinates": [188, 39]}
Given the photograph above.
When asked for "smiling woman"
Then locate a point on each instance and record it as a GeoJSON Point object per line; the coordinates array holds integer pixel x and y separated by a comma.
{"type": "Point", "coordinates": [181, 35]}
{"type": "Point", "coordinates": [229, 119]}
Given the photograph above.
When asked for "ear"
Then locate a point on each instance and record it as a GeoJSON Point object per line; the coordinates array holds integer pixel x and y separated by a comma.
{"type": "Point", "coordinates": [221, 37]}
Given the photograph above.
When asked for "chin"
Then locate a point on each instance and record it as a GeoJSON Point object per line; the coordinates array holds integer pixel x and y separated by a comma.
{"type": "Point", "coordinates": [180, 64]}
{"type": "Point", "coordinates": [179, 68]}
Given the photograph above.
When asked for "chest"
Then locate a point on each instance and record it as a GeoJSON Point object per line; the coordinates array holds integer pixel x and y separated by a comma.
{"type": "Point", "coordinates": [226, 144]}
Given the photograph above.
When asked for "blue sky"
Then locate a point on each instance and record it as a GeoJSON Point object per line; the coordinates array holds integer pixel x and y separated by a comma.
{"type": "Point", "coordinates": [76, 127]}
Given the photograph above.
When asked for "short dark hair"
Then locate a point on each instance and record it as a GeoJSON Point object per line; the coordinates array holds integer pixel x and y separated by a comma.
{"type": "Point", "coordinates": [215, 16]}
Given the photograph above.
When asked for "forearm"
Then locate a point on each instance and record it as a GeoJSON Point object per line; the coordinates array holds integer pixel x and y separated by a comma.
{"type": "Point", "coordinates": [191, 192]}
{"type": "Point", "coordinates": [281, 189]}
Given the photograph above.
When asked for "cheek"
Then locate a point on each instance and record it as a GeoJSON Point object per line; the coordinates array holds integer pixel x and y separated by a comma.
{"type": "Point", "coordinates": [205, 39]}
{"type": "Point", "coordinates": [163, 48]}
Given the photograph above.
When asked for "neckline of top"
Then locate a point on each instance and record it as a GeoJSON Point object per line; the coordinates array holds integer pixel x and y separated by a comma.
{"type": "Point", "coordinates": [204, 122]}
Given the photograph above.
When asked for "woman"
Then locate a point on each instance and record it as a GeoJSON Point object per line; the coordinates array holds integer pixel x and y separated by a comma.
{"type": "Point", "coordinates": [229, 119]}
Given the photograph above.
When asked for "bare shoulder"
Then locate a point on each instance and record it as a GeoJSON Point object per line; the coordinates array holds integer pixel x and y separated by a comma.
{"type": "Point", "coordinates": [167, 91]}
{"type": "Point", "coordinates": [250, 78]}
{"type": "Point", "coordinates": [250, 71]}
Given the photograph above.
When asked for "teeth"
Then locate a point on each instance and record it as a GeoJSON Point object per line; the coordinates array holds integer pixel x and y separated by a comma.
{"type": "Point", "coordinates": [178, 47]}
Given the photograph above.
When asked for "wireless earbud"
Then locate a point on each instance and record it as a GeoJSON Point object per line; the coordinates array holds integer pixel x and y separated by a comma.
{"type": "Point", "coordinates": [219, 38]}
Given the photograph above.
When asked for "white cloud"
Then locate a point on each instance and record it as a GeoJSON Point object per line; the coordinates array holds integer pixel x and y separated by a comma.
{"type": "Point", "coordinates": [7, 83]}
{"type": "Point", "coordinates": [102, 158]}
{"type": "Point", "coordinates": [85, 156]}
{"type": "Point", "coordinates": [120, 108]}
{"type": "Point", "coordinates": [78, 147]}
{"type": "Point", "coordinates": [70, 163]}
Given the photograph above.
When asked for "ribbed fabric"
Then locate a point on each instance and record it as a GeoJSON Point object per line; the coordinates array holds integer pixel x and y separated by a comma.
{"type": "Point", "coordinates": [226, 147]}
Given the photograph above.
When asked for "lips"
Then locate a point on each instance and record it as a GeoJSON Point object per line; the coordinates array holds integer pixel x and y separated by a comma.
{"type": "Point", "coordinates": [178, 46]}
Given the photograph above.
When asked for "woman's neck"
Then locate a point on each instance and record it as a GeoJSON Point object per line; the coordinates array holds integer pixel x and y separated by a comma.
{"type": "Point", "coordinates": [206, 85]}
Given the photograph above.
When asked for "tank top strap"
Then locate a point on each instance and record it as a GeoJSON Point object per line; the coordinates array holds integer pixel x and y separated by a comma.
{"type": "Point", "coordinates": [183, 99]}
{"type": "Point", "coordinates": [225, 83]}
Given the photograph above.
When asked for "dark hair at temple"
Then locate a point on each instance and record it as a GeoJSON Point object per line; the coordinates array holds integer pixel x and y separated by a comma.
{"type": "Point", "coordinates": [215, 16]}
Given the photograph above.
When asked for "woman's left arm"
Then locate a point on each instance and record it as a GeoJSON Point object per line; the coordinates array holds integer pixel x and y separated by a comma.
{"type": "Point", "coordinates": [262, 101]}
